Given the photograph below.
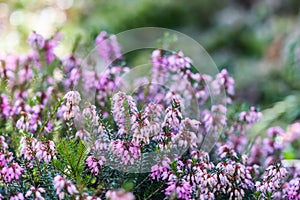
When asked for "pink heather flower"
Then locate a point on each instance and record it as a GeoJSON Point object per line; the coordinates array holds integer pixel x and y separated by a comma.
{"type": "Point", "coordinates": [5, 158]}
{"type": "Point", "coordinates": [128, 152]}
{"type": "Point", "coordinates": [250, 117]}
{"type": "Point", "coordinates": [292, 133]}
{"type": "Point", "coordinates": [100, 145]}
{"type": "Point", "coordinates": [25, 75]}
{"type": "Point", "coordinates": [104, 83]}
{"type": "Point", "coordinates": [45, 150]}
{"type": "Point", "coordinates": [49, 49]}
{"type": "Point", "coordinates": [257, 153]}
{"type": "Point", "coordinates": [174, 62]}
{"type": "Point", "coordinates": [5, 108]}
{"type": "Point", "coordinates": [17, 196]}
{"type": "Point", "coordinates": [119, 111]}
{"type": "Point", "coordinates": [226, 152]}
{"type": "Point", "coordinates": [49, 127]}
{"type": "Point", "coordinates": [94, 163]}
{"type": "Point", "coordinates": [173, 116]}
{"type": "Point", "coordinates": [178, 61]}
{"type": "Point", "coordinates": [45, 96]}
{"type": "Point", "coordinates": [23, 123]}
{"type": "Point", "coordinates": [116, 48]}
{"type": "Point", "coordinates": [159, 69]}
{"type": "Point", "coordinates": [272, 180]}
{"type": "Point", "coordinates": [119, 195]}
{"type": "Point", "coordinates": [73, 77]}
{"type": "Point", "coordinates": [237, 142]}
{"type": "Point", "coordinates": [182, 190]}
{"type": "Point", "coordinates": [3, 144]}
{"type": "Point", "coordinates": [200, 86]}
{"type": "Point", "coordinates": [88, 197]}
{"type": "Point", "coordinates": [224, 81]}
{"type": "Point", "coordinates": [90, 114]}
{"type": "Point", "coordinates": [70, 63]}
{"type": "Point", "coordinates": [36, 193]}
{"type": "Point", "coordinates": [291, 190]}
{"type": "Point", "coordinates": [142, 134]}
{"type": "Point", "coordinates": [275, 131]}
{"type": "Point", "coordinates": [161, 171]}
{"type": "Point", "coordinates": [273, 146]}
{"type": "Point", "coordinates": [231, 173]}
{"type": "Point", "coordinates": [187, 136]}
{"type": "Point", "coordinates": [63, 185]}
{"type": "Point", "coordinates": [36, 40]}
{"type": "Point", "coordinates": [108, 47]}
{"type": "Point", "coordinates": [28, 147]}
{"type": "Point", "coordinates": [72, 104]}
{"type": "Point", "coordinates": [12, 172]}
{"type": "Point", "coordinates": [83, 135]}
{"type": "Point", "coordinates": [154, 111]}
{"type": "Point", "coordinates": [187, 84]}
{"type": "Point", "coordinates": [213, 121]}
{"type": "Point", "coordinates": [140, 128]}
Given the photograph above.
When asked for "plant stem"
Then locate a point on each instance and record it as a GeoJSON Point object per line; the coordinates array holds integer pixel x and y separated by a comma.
{"type": "Point", "coordinates": [50, 117]}
{"type": "Point", "coordinates": [144, 180]}
{"type": "Point", "coordinates": [153, 193]}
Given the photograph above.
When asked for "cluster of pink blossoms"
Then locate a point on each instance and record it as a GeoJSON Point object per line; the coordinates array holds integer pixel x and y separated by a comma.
{"type": "Point", "coordinates": [94, 163]}
{"type": "Point", "coordinates": [291, 190]}
{"type": "Point", "coordinates": [9, 169]}
{"type": "Point", "coordinates": [38, 42]}
{"type": "Point", "coordinates": [17, 196]}
{"type": "Point", "coordinates": [152, 119]}
{"type": "Point", "coordinates": [41, 150]}
{"type": "Point", "coordinates": [72, 105]}
{"type": "Point", "coordinates": [18, 71]}
{"type": "Point", "coordinates": [63, 186]}
{"type": "Point", "coordinates": [128, 152]}
{"type": "Point", "coordinates": [119, 195]}
{"type": "Point", "coordinates": [229, 177]}
{"type": "Point", "coordinates": [36, 193]}
{"type": "Point", "coordinates": [177, 67]}
{"type": "Point", "coordinates": [272, 180]}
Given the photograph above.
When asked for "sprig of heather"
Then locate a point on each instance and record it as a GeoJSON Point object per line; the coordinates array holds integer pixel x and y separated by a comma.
{"type": "Point", "coordinates": [36, 193]}
{"type": "Point", "coordinates": [225, 173]}
{"type": "Point", "coordinates": [10, 170]}
{"type": "Point", "coordinates": [272, 181]}
{"type": "Point", "coordinates": [72, 105]}
{"type": "Point", "coordinates": [108, 47]}
{"type": "Point", "coordinates": [123, 108]}
{"type": "Point", "coordinates": [64, 186]}
{"type": "Point", "coordinates": [32, 149]}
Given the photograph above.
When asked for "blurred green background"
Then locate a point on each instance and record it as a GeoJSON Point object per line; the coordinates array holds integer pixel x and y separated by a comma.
{"type": "Point", "coordinates": [258, 41]}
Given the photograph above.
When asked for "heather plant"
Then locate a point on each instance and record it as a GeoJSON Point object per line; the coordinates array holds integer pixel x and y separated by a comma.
{"type": "Point", "coordinates": [57, 143]}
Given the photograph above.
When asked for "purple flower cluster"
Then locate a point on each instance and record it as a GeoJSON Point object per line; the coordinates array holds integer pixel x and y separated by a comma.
{"type": "Point", "coordinates": [128, 152]}
{"type": "Point", "coordinates": [39, 43]}
{"type": "Point", "coordinates": [229, 177]}
{"type": "Point", "coordinates": [186, 84]}
{"type": "Point", "coordinates": [108, 47]}
{"type": "Point", "coordinates": [291, 189]}
{"type": "Point", "coordinates": [32, 149]}
{"type": "Point", "coordinates": [72, 105]}
{"type": "Point", "coordinates": [120, 128]}
{"type": "Point", "coordinates": [9, 169]}
{"type": "Point", "coordinates": [94, 163]}
{"type": "Point", "coordinates": [272, 181]}
{"type": "Point", "coordinates": [63, 186]}
{"type": "Point", "coordinates": [36, 193]}
{"type": "Point", "coordinates": [119, 195]}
